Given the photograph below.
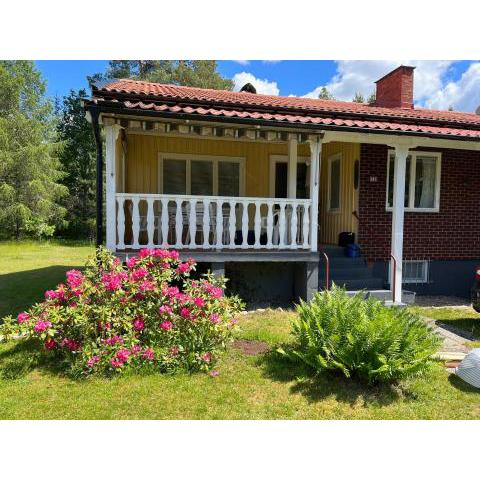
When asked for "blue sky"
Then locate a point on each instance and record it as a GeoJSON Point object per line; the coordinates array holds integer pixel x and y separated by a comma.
{"type": "Point", "coordinates": [438, 84]}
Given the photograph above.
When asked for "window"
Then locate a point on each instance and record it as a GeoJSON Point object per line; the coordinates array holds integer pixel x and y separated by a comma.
{"type": "Point", "coordinates": [422, 181]}
{"type": "Point", "coordinates": [334, 185]}
{"type": "Point", "coordinates": [414, 271]}
{"type": "Point", "coordinates": [201, 175]}
{"type": "Point", "coordinates": [279, 177]}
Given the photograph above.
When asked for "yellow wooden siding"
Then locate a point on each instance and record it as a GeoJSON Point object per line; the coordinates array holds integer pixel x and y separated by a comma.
{"type": "Point", "coordinates": [142, 159]}
{"type": "Point", "coordinates": [331, 224]}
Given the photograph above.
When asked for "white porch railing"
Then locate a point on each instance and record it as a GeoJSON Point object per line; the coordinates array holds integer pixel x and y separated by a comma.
{"type": "Point", "coordinates": [198, 222]}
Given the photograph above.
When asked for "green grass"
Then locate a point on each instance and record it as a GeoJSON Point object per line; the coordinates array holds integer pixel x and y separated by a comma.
{"type": "Point", "coordinates": [259, 387]}
{"type": "Point", "coordinates": [27, 269]}
{"type": "Point", "coordinates": [466, 319]}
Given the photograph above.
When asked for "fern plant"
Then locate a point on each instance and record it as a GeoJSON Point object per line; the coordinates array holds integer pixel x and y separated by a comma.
{"type": "Point", "coordinates": [361, 337]}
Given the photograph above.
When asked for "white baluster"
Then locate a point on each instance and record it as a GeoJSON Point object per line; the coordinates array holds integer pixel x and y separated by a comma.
{"type": "Point", "coordinates": [193, 222]}
{"type": "Point", "coordinates": [305, 226]}
{"type": "Point", "coordinates": [244, 224]}
{"type": "Point", "coordinates": [135, 222]}
{"type": "Point", "coordinates": [206, 223]}
{"type": "Point", "coordinates": [293, 226]}
{"type": "Point", "coordinates": [258, 226]}
{"type": "Point", "coordinates": [178, 224]}
{"type": "Point", "coordinates": [219, 225]}
{"type": "Point", "coordinates": [269, 225]}
{"type": "Point", "coordinates": [281, 229]}
{"type": "Point", "coordinates": [164, 222]}
{"type": "Point", "coordinates": [150, 221]}
{"type": "Point", "coordinates": [121, 223]}
{"type": "Point", "coordinates": [232, 223]}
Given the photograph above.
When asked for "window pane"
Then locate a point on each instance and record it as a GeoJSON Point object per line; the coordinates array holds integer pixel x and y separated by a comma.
{"type": "Point", "coordinates": [335, 184]}
{"type": "Point", "coordinates": [281, 177]}
{"type": "Point", "coordinates": [425, 178]}
{"type": "Point", "coordinates": [390, 180]}
{"type": "Point", "coordinates": [202, 178]}
{"type": "Point", "coordinates": [302, 191]}
{"type": "Point", "coordinates": [229, 179]}
{"type": "Point", "coordinates": [174, 176]}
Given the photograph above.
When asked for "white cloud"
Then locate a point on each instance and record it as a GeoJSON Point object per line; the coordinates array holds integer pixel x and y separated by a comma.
{"type": "Point", "coordinates": [462, 95]}
{"type": "Point", "coordinates": [242, 62]}
{"type": "Point", "coordinates": [262, 86]}
{"type": "Point", "coordinates": [359, 76]}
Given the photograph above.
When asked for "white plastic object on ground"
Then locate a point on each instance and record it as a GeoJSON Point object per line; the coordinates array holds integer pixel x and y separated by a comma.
{"type": "Point", "coordinates": [469, 368]}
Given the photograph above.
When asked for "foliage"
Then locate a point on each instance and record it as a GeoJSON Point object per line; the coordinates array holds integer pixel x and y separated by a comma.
{"type": "Point", "coordinates": [148, 314]}
{"type": "Point", "coordinates": [361, 337]}
{"type": "Point", "coordinates": [29, 168]}
{"type": "Point", "coordinates": [192, 73]}
{"type": "Point", "coordinates": [372, 98]}
{"type": "Point", "coordinates": [358, 98]}
{"type": "Point", "coordinates": [78, 159]}
{"type": "Point", "coordinates": [325, 94]}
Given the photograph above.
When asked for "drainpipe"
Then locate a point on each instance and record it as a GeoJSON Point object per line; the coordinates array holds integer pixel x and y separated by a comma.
{"type": "Point", "coordinates": [98, 142]}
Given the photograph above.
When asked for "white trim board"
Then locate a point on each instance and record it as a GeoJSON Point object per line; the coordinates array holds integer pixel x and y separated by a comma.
{"type": "Point", "coordinates": [275, 158]}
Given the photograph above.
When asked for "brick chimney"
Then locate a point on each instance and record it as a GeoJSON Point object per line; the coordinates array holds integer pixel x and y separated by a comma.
{"type": "Point", "coordinates": [395, 89]}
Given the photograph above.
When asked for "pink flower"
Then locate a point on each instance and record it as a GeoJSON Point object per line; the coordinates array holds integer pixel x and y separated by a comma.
{"type": "Point", "coordinates": [23, 317]}
{"type": "Point", "coordinates": [77, 292]}
{"type": "Point", "coordinates": [73, 304]}
{"type": "Point", "coordinates": [182, 297]}
{"type": "Point", "coordinates": [139, 324]}
{"type": "Point", "coordinates": [145, 252]}
{"type": "Point", "coordinates": [93, 361]}
{"type": "Point", "coordinates": [206, 357]}
{"type": "Point", "coordinates": [147, 286]}
{"type": "Point", "coordinates": [185, 312]}
{"type": "Point", "coordinates": [215, 318]}
{"type": "Point", "coordinates": [42, 325]}
{"type": "Point", "coordinates": [115, 363]}
{"type": "Point", "coordinates": [139, 274]}
{"type": "Point", "coordinates": [183, 268]}
{"type": "Point", "coordinates": [174, 255]}
{"type": "Point", "coordinates": [71, 344]}
{"type": "Point", "coordinates": [214, 373]}
{"type": "Point", "coordinates": [165, 309]}
{"type": "Point", "coordinates": [75, 278]}
{"type": "Point", "coordinates": [172, 291]}
{"type": "Point", "coordinates": [174, 351]}
{"type": "Point", "coordinates": [139, 296]}
{"type": "Point", "coordinates": [136, 349]}
{"type": "Point", "coordinates": [161, 253]}
{"type": "Point", "coordinates": [50, 295]}
{"type": "Point", "coordinates": [131, 262]}
{"type": "Point", "coordinates": [112, 281]}
{"type": "Point", "coordinates": [123, 354]}
{"type": "Point", "coordinates": [148, 354]}
{"type": "Point", "coordinates": [50, 344]}
{"type": "Point", "coordinates": [199, 301]}
{"type": "Point", "coordinates": [166, 325]}
{"type": "Point", "coordinates": [215, 292]}
{"type": "Point", "coordinates": [113, 340]}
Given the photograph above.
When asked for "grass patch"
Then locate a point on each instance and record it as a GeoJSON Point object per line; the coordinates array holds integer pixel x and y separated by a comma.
{"type": "Point", "coordinates": [463, 318]}
{"type": "Point", "coordinates": [264, 386]}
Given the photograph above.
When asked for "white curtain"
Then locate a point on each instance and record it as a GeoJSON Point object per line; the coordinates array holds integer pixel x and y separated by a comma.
{"type": "Point", "coordinates": [425, 181]}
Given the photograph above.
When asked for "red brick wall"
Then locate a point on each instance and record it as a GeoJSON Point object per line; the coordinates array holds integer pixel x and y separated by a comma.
{"type": "Point", "coordinates": [396, 89]}
{"type": "Point", "coordinates": [453, 233]}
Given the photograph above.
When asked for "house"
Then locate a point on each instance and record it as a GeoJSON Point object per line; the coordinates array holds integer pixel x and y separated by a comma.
{"type": "Point", "coordinates": [261, 186]}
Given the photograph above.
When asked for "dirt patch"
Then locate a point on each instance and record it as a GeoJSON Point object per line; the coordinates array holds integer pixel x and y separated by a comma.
{"type": "Point", "coordinates": [251, 347]}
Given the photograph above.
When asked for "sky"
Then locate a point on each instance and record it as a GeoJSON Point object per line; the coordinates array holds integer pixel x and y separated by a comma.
{"type": "Point", "coordinates": [438, 84]}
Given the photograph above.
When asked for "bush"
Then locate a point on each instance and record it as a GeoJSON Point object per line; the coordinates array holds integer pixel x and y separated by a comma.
{"type": "Point", "coordinates": [147, 314]}
{"type": "Point", "coordinates": [361, 337]}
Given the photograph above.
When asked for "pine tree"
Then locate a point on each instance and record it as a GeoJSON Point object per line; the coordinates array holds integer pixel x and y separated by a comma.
{"type": "Point", "coordinates": [325, 94]}
{"type": "Point", "coordinates": [358, 98]}
{"type": "Point", "coordinates": [29, 168]}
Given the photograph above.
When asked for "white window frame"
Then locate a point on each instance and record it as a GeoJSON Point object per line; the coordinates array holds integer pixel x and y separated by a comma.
{"type": "Point", "coordinates": [274, 159]}
{"type": "Point", "coordinates": [331, 159]}
{"type": "Point", "coordinates": [413, 168]}
{"type": "Point", "coordinates": [406, 280]}
{"type": "Point", "coordinates": [215, 159]}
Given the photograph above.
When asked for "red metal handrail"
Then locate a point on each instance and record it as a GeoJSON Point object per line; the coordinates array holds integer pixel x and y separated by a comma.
{"type": "Point", "coordinates": [327, 270]}
{"type": "Point", "coordinates": [393, 279]}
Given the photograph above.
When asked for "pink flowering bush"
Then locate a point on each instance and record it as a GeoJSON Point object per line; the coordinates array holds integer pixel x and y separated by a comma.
{"type": "Point", "coordinates": [148, 314]}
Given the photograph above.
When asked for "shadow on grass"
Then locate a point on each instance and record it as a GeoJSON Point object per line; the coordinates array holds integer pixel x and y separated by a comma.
{"type": "Point", "coordinates": [20, 358]}
{"type": "Point", "coordinates": [460, 384]}
{"type": "Point", "coordinates": [19, 290]}
{"type": "Point", "coordinates": [318, 387]}
{"type": "Point", "coordinates": [468, 328]}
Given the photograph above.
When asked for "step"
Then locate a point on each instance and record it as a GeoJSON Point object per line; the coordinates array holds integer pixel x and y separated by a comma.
{"type": "Point", "coordinates": [348, 273]}
{"type": "Point", "coordinates": [408, 298]}
{"type": "Point", "coordinates": [372, 283]}
{"type": "Point", "coordinates": [342, 261]}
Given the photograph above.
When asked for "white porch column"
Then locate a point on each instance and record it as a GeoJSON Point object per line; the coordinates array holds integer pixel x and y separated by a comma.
{"type": "Point", "coordinates": [401, 153]}
{"type": "Point", "coordinates": [292, 166]}
{"type": "Point", "coordinates": [315, 165]}
{"type": "Point", "coordinates": [111, 135]}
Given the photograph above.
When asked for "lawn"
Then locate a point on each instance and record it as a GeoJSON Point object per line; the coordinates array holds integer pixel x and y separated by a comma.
{"type": "Point", "coordinates": [261, 386]}
{"type": "Point", "coordinates": [463, 318]}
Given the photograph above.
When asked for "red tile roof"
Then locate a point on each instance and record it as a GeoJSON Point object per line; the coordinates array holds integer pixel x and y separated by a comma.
{"type": "Point", "coordinates": [172, 99]}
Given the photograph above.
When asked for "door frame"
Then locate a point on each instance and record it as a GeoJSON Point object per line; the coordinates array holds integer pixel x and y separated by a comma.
{"type": "Point", "coordinates": [274, 159]}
